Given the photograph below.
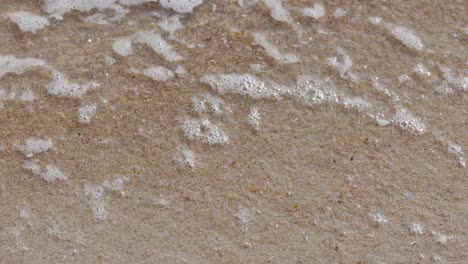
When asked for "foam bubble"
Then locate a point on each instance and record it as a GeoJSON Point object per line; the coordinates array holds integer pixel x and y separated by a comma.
{"type": "Point", "coordinates": [11, 64]}
{"type": "Point", "coordinates": [278, 12]}
{"type": "Point", "coordinates": [244, 84]}
{"type": "Point", "coordinates": [458, 81]}
{"type": "Point", "coordinates": [208, 104]}
{"type": "Point", "coordinates": [272, 50]}
{"type": "Point", "coordinates": [415, 229]}
{"type": "Point", "coordinates": [159, 73]}
{"type": "Point", "coordinates": [254, 117]}
{"type": "Point", "coordinates": [95, 199]}
{"type": "Point", "coordinates": [375, 20]}
{"type": "Point", "coordinates": [406, 36]}
{"type": "Point", "coordinates": [171, 24]}
{"type": "Point", "coordinates": [457, 151]}
{"type": "Point", "coordinates": [181, 6]}
{"type": "Point", "coordinates": [204, 131]}
{"type": "Point", "coordinates": [61, 86]}
{"type": "Point", "coordinates": [35, 146]}
{"type": "Point", "coordinates": [316, 90]}
{"type": "Point", "coordinates": [339, 12]}
{"type": "Point", "coordinates": [356, 102]}
{"type": "Point", "coordinates": [85, 113]}
{"type": "Point", "coordinates": [135, 2]}
{"type": "Point", "coordinates": [185, 157]}
{"type": "Point", "coordinates": [122, 46]}
{"type": "Point", "coordinates": [159, 45]}
{"type": "Point", "coordinates": [33, 166]}
{"type": "Point", "coordinates": [27, 21]}
{"type": "Point", "coordinates": [316, 12]}
{"type": "Point", "coordinates": [344, 67]}
{"type": "Point", "coordinates": [422, 70]}
{"type": "Point", "coordinates": [58, 8]}
{"type": "Point", "coordinates": [408, 121]}
{"type": "Point", "coordinates": [180, 70]}
{"type": "Point", "coordinates": [379, 219]}
{"type": "Point", "coordinates": [52, 173]}
{"type": "Point", "coordinates": [96, 195]}
{"type": "Point", "coordinates": [27, 96]}
{"type": "Point", "coordinates": [109, 60]}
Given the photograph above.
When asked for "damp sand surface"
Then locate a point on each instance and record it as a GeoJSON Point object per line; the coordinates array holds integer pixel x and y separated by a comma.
{"type": "Point", "coordinates": [264, 131]}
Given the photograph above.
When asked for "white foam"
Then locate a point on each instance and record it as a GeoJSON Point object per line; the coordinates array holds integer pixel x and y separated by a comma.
{"type": "Point", "coordinates": [375, 20]}
{"type": "Point", "coordinates": [180, 70]}
{"type": "Point", "coordinates": [244, 84]}
{"type": "Point", "coordinates": [85, 113]}
{"type": "Point", "coordinates": [254, 117]}
{"type": "Point", "coordinates": [99, 18]}
{"type": "Point", "coordinates": [171, 24]}
{"type": "Point", "coordinates": [208, 104]}
{"type": "Point", "coordinates": [33, 166]}
{"type": "Point", "coordinates": [96, 195]}
{"type": "Point", "coordinates": [408, 121]}
{"type": "Point", "coordinates": [11, 64]}
{"type": "Point", "coordinates": [58, 8]}
{"type": "Point", "coordinates": [415, 229]}
{"type": "Point", "coordinates": [135, 2]}
{"type": "Point", "coordinates": [204, 131]}
{"type": "Point", "coordinates": [278, 12]}
{"type": "Point", "coordinates": [316, 12]}
{"type": "Point", "coordinates": [356, 102]}
{"type": "Point", "coordinates": [27, 21]}
{"type": "Point", "coordinates": [457, 81]}
{"type": "Point", "coordinates": [109, 60]}
{"type": "Point", "coordinates": [260, 38]}
{"type": "Point", "coordinates": [61, 86]}
{"type": "Point", "coordinates": [422, 70]}
{"type": "Point", "coordinates": [159, 45]}
{"type": "Point", "coordinates": [344, 67]}
{"type": "Point", "coordinates": [339, 12]}
{"type": "Point", "coordinates": [123, 46]}
{"type": "Point", "coordinates": [35, 146]}
{"type": "Point", "coordinates": [442, 239]}
{"type": "Point", "coordinates": [52, 173]}
{"type": "Point", "coordinates": [159, 73]}
{"type": "Point", "coordinates": [316, 90]}
{"type": "Point", "coordinates": [181, 6]}
{"type": "Point", "coordinates": [95, 199]}
{"type": "Point", "coordinates": [185, 157]}
{"type": "Point", "coordinates": [379, 219]}
{"type": "Point", "coordinates": [458, 151]}
{"type": "Point", "coordinates": [406, 36]}
{"type": "Point", "coordinates": [27, 96]}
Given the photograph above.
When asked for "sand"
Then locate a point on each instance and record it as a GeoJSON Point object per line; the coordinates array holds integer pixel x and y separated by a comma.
{"type": "Point", "coordinates": [234, 132]}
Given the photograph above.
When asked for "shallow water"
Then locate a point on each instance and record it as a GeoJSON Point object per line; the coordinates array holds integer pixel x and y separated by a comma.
{"type": "Point", "coordinates": [138, 131]}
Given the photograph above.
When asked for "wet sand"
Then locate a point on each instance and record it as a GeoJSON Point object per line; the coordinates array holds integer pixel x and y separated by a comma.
{"type": "Point", "coordinates": [235, 132]}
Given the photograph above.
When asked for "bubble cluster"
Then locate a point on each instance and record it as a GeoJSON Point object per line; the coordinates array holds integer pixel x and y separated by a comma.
{"type": "Point", "coordinates": [260, 38]}
{"type": "Point", "coordinates": [181, 6]}
{"type": "Point", "coordinates": [35, 146]}
{"type": "Point", "coordinates": [122, 46]}
{"type": "Point", "coordinates": [27, 21]}
{"type": "Point", "coordinates": [316, 12]}
{"type": "Point", "coordinates": [204, 131]}
{"type": "Point", "coordinates": [158, 44]}
{"type": "Point", "coordinates": [408, 121]}
{"type": "Point", "coordinates": [159, 73]}
{"type": "Point", "coordinates": [208, 104]}
{"type": "Point", "coordinates": [244, 84]}
{"type": "Point", "coordinates": [96, 195]}
{"type": "Point", "coordinates": [85, 113]}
